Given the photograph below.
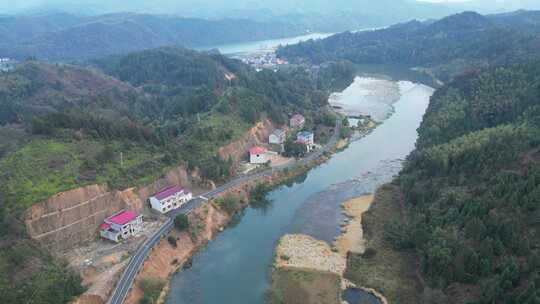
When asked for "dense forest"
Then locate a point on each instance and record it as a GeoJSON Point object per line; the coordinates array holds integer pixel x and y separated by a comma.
{"type": "Point", "coordinates": [64, 126]}
{"type": "Point", "coordinates": [66, 37]}
{"type": "Point", "coordinates": [472, 188]}
{"type": "Point", "coordinates": [447, 47]}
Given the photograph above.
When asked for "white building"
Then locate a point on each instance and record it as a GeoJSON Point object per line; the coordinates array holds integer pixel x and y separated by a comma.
{"type": "Point", "coordinates": [278, 137]}
{"type": "Point", "coordinates": [170, 198]}
{"type": "Point", "coordinates": [258, 155]}
{"type": "Point", "coordinates": [121, 225]}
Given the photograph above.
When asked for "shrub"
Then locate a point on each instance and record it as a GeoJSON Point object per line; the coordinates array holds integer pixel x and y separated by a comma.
{"type": "Point", "coordinates": [146, 300]}
{"type": "Point", "coordinates": [230, 204]}
{"type": "Point", "coordinates": [369, 253]}
{"type": "Point", "coordinates": [151, 288]}
{"type": "Point", "coordinates": [181, 222]}
{"type": "Point", "coordinates": [172, 241]}
{"type": "Point", "coordinates": [294, 149]}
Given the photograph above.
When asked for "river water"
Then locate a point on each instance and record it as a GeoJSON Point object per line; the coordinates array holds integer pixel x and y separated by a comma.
{"type": "Point", "coordinates": [264, 45]}
{"type": "Point", "coordinates": [235, 267]}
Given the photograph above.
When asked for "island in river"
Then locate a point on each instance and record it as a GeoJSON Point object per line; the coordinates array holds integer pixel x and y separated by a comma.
{"type": "Point", "coordinates": [236, 266]}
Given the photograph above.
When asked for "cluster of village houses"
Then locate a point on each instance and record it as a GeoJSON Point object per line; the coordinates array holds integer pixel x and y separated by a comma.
{"type": "Point", "coordinates": [263, 60]}
{"type": "Point", "coordinates": [125, 223]}
{"type": "Point", "coordinates": [262, 155]}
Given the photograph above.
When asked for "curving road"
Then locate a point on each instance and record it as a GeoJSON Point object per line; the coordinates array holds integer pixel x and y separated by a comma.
{"type": "Point", "coordinates": [135, 263]}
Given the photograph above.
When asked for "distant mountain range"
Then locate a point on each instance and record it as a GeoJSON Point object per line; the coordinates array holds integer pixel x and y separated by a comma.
{"type": "Point", "coordinates": [317, 15]}
{"type": "Point", "coordinates": [67, 37]}
{"type": "Point", "coordinates": [61, 31]}
{"type": "Point", "coordinates": [447, 47]}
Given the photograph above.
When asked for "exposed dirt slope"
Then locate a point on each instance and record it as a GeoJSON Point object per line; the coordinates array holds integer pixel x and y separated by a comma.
{"type": "Point", "coordinates": [238, 149]}
{"type": "Point", "coordinates": [71, 218]}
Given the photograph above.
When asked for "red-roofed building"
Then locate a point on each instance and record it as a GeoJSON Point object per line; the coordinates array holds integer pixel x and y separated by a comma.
{"type": "Point", "coordinates": [170, 198]}
{"type": "Point", "coordinates": [121, 226]}
{"type": "Point", "coordinates": [258, 155]}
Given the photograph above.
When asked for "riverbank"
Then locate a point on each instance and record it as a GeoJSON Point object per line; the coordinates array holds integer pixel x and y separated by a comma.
{"type": "Point", "coordinates": [209, 219]}
{"type": "Point", "coordinates": [174, 251]}
{"type": "Point", "coordinates": [308, 205]}
{"type": "Point", "coordinates": [368, 97]}
{"type": "Point", "coordinates": [352, 239]}
{"type": "Point", "coordinates": [302, 263]}
{"type": "Point", "coordinates": [390, 272]}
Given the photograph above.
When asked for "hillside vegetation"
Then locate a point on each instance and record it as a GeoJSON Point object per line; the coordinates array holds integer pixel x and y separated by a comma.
{"type": "Point", "coordinates": [77, 126]}
{"type": "Point", "coordinates": [472, 188]}
{"type": "Point", "coordinates": [66, 37]}
{"type": "Point", "coordinates": [447, 47]}
{"type": "Point", "coordinates": [65, 126]}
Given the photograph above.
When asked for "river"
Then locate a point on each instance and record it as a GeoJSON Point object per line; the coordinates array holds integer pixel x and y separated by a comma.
{"type": "Point", "coordinates": [235, 267]}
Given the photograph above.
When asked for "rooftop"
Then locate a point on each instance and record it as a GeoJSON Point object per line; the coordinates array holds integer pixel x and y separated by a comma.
{"type": "Point", "coordinates": [304, 134]}
{"type": "Point", "coordinates": [257, 150]}
{"type": "Point", "coordinates": [297, 117]}
{"type": "Point", "coordinates": [169, 191]}
{"type": "Point", "coordinates": [279, 132]}
{"type": "Point", "coordinates": [121, 218]}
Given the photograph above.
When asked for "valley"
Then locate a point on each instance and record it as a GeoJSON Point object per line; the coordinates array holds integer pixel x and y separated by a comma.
{"type": "Point", "coordinates": [176, 159]}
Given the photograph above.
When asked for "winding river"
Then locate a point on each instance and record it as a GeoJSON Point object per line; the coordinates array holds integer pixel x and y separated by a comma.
{"type": "Point", "coordinates": [235, 267]}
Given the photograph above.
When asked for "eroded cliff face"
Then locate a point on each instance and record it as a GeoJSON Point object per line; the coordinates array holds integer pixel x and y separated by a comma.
{"type": "Point", "coordinates": [257, 135]}
{"type": "Point", "coordinates": [71, 218]}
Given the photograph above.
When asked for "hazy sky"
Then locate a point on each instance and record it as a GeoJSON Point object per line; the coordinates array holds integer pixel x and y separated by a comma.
{"type": "Point", "coordinates": [93, 6]}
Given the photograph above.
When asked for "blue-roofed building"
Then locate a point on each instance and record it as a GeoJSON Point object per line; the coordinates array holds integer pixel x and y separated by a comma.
{"type": "Point", "coordinates": [306, 138]}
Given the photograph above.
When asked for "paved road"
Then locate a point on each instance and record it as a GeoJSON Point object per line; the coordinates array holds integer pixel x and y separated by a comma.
{"type": "Point", "coordinates": [137, 260]}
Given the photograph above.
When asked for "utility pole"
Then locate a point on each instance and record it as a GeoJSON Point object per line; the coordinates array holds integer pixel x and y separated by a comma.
{"type": "Point", "coordinates": [121, 159]}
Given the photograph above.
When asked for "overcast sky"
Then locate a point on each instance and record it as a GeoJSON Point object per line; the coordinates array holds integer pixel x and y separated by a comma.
{"type": "Point", "coordinates": [10, 6]}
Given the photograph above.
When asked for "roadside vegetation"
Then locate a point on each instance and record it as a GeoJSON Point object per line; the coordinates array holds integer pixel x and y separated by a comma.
{"type": "Point", "coordinates": [231, 204]}
{"type": "Point", "coordinates": [181, 222]}
{"type": "Point", "coordinates": [151, 289]}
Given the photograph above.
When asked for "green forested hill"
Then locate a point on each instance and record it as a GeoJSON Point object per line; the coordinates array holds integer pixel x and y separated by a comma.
{"type": "Point", "coordinates": [226, 95]}
{"type": "Point", "coordinates": [66, 37]}
{"type": "Point", "coordinates": [64, 126]}
{"type": "Point", "coordinates": [450, 46]}
{"type": "Point", "coordinates": [472, 188]}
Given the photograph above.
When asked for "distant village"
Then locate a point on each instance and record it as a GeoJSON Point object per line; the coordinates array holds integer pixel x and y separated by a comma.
{"type": "Point", "coordinates": [262, 60]}
{"type": "Point", "coordinates": [7, 64]}
{"type": "Point", "coordinates": [126, 224]}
